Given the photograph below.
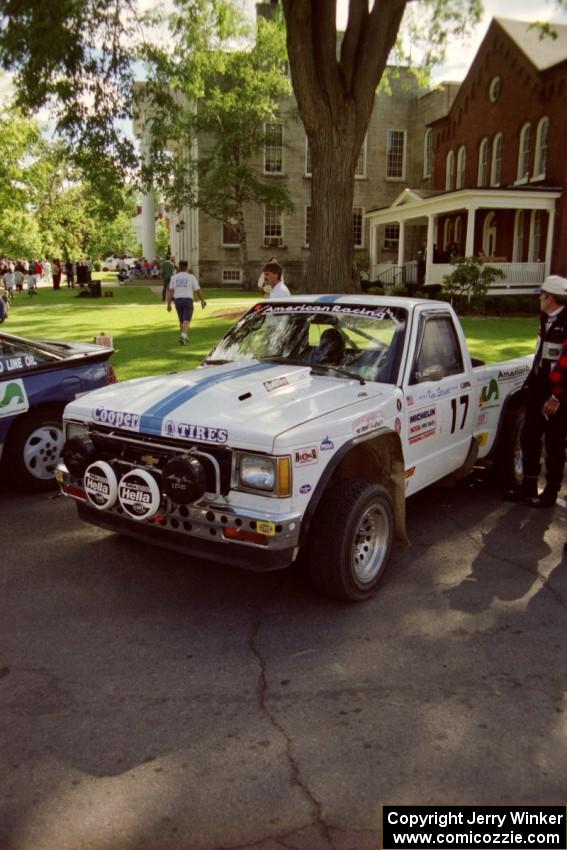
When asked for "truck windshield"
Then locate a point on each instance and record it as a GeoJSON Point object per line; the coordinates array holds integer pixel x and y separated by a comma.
{"type": "Point", "coordinates": [365, 341]}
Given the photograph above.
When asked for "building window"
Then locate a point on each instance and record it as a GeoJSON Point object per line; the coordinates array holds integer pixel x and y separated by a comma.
{"type": "Point", "coordinates": [428, 152]}
{"type": "Point", "coordinates": [450, 171]}
{"type": "Point", "coordinates": [308, 219]}
{"type": "Point", "coordinates": [494, 89]}
{"type": "Point", "coordinates": [489, 235]}
{"type": "Point", "coordinates": [459, 235]}
{"type": "Point", "coordinates": [461, 167]}
{"type": "Point", "coordinates": [496, 167]}
{"type": "Point", "coordinates": [273, 226]}
{"type": "Point", "coordinates": [448, 231]}
{"type": "Point", "coordinates": [358, 227]}
{"type": "Point", "coordinates": [483, 163]}
{"type": "Point", "coordinates": [231, 276]}
{"type": "Point", "coordinates": [542, 135]}
{"type": "Point", "coordinates": [308, 170]}
{"type": "Point", "coordinates": [524, 153]}
{"type": "Point", "coordinates": [230, 236]}
{"type": "Point", "coordinates": [360, 170]}
{"type": "Point", "coordinates": [391, 237]}
{"type": "Point", "coordinates": [534, 252]}
{"type": "Point", "coordinates": [395, 154]}
{"type": "Point", "coordinates": [273, 148]}
{"type": "Point", "coordinates": [519, 226]}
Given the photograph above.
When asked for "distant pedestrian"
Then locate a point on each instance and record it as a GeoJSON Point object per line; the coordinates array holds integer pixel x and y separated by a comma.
{"type": "Point", "coordinates": [182, 287]}
{"type": "Point", "coordinates": [273, 276]}
{"type": "Point", "coordinates": [167, 272]}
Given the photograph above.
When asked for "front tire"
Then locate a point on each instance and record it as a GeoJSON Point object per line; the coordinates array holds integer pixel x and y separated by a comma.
{"type": "Point", "coordinates": [33, 449]}
{"type": "Point", "coordinates": [350, 540]}
{"type": "Point", "coordinates": [509, 461]}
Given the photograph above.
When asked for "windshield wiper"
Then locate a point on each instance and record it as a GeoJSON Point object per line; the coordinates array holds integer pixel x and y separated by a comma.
{"type": "Point", "coordinates": [322, 368]}
{"type": "Point", "coordinates": [216, 362]}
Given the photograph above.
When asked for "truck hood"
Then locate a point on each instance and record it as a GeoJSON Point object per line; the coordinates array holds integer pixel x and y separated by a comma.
{"type": "Point", "coordinates": [245, 404]}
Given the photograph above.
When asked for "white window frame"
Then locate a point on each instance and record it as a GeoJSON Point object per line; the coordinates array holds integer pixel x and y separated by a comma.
{"type": "Point", "coordinates": [273, 219]}
{"type": "Point", "coordinates": [524, 150]}
{"type": "Point", "coordinates": [389, 140]}
{"type": "Point", "coordinates": [461, 167]}
{"type": "Point", "coordinates": [483, 163]}
{"type": "Point", "coordinates": [358, 211]}
{"type": "Point", "coordinates": [450, 171]}
{"type": "Point", "coordinates": [272, 149]}
{"type": "Point", "coordinates": [496, 163]}
{"type": "Point", "coordinates": [489, 234]}
{"type": "Point", "coordinates": [232, 275]}
{"type": "Point", "coordinates": [541, 148]}
{"type": "Point", "coordinates": [458, 232]}
{"type": "Point", "coordinates": [391, 241]}
{"type": "Point", "coordinates": [227, 244]}
{"type": "Point", "coordinates": [427, 153]}
{"type": "Point", "coordinates": [308, 172]}
{"type": "Point", "coordinates": [360, 170]}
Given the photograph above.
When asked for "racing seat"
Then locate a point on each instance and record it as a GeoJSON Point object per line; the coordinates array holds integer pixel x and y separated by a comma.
{"type": "Point", "coordinates": [331, 348]}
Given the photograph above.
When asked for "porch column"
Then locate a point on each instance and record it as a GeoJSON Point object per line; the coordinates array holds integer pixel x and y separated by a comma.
{"type": "Point", "coordinates": [401, 243]}
{"type": "Point", "coordinates": [148, 205]}
{"type": "Point", "coordinates": [469, 241]}
{"type": "Point", "coordinates": [372, 251]}
{"type": "Point", "coordinates": [431, 222]}
{"type": "Point", "coordinates": [549, 241]}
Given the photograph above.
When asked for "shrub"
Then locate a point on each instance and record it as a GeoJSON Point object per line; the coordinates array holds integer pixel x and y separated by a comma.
{"type": "Point", "coordinates": [470, 279]}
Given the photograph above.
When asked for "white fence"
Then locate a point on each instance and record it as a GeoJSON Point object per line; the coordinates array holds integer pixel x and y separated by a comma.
{"type": "Point", "coordinates": [518, 277]}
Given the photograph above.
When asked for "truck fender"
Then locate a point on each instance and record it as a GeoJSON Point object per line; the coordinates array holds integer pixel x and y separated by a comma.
{"type": "Point", "coordinates": [377, 457]}
{"type": "Point", "coordinates": [513, 400]}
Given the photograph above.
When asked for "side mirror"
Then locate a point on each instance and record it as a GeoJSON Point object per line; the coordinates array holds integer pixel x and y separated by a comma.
{"type": "Point", "coordinates": [431, 373]}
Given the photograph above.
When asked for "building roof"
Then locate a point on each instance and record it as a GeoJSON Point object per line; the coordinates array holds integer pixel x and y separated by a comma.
{"type": "Point", "coordinates": [543, 52]}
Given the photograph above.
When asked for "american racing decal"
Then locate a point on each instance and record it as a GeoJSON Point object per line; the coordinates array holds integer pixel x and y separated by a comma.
{"type": "Point", "coordinates": [276, 384]}
{"type": "Point", "coordinates": [422, 424]}
{"type": "Point", "coordinates": [14, 364]}
{"type": "Point", "coordinates": [203, 433]}
{"type": "Point", "coordinates": [513, 372]}
{"type": "Point", "coordinates": [368, 422]}
{"type": "Point", "coordinates": [139, 494]}
{"type": "Point", "coordinates": [336, 309]}
{"type": "Point", "coordinates": [327, 444]}
{"type": "Point", "coordinates": [100, 485]}
{"type": "Point", "coordinates": [13, 398]}
{"type": "Point", "coordinates": [117, 418]}
{"type": "Point", "coordinates": [305, 457]}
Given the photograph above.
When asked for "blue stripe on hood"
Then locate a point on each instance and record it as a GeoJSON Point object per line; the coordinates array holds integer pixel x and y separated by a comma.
{"type": "Point", "coordinates": [151, 421]}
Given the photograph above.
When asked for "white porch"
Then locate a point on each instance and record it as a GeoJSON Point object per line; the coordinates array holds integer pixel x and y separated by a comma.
{"type": "Point", "coordinates": [425, 211]}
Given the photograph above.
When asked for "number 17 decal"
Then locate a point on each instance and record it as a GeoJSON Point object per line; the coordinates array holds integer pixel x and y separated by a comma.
{"type": "Point", "coordinates": [464, 403]}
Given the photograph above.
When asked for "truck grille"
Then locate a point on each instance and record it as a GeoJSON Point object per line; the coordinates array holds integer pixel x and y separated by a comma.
{"type": "Point", "coordinates": [131, 449]}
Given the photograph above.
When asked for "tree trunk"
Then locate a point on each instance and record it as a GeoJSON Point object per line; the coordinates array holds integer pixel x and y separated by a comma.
{"type": "Point", "coordinates": [242, 235]}
{"type": "Point", "coordinates": [335, 97]}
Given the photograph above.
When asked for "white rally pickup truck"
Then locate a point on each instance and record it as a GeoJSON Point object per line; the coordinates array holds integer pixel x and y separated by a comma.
{"type": "Point", "coordinates": [306, 427]}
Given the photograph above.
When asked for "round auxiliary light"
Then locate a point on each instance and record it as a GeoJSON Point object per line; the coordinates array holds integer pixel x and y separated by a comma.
{"type": "Point", "coordinates": [78, 453]}
{"type": "Point", "coordinates": [101, 485]}
{"type": "Point", "coordinates": [184, 479]}
{"type": "Point", "coordinates": [139, 494]}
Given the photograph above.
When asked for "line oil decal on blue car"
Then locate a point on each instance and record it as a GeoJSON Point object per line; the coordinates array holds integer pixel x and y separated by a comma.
{"type": "Point", "coordinates": [152, 420]}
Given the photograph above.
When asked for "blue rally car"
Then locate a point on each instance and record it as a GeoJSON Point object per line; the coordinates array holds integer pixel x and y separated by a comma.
{"type": "Point", "coordinates": [37, 379]}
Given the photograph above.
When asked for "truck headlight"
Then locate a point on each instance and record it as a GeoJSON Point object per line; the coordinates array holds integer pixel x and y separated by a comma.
{"type": "Point", "coordinates": [269, 474]}
{"type": "Point", "coordinates": [75, 429]}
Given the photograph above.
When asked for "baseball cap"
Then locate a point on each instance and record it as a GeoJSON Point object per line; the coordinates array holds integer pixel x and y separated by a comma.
{"type": "Point", "coordinates": [554, 285]}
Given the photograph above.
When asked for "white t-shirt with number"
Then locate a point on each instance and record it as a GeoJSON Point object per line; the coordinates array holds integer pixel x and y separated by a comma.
{"type": "Point", "coordinates": [184, 284]}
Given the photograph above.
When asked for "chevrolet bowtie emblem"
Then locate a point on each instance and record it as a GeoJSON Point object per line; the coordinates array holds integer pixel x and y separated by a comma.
{"type": "Point", "coordinates": [150, 460]}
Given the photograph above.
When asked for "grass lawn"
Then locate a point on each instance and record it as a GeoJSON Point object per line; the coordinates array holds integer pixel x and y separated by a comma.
{"type": "Point", "coordinates": [146, 336]}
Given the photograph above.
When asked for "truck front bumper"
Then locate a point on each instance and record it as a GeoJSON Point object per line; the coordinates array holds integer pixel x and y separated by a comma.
{"type": "Point", "coordinates": [253, 540]}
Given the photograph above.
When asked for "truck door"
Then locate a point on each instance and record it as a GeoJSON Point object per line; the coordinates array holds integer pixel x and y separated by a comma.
{"type": "Point", "coordinates": [439, 402]}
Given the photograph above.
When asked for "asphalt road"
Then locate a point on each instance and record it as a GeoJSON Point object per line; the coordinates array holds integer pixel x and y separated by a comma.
{"type": "Point", "coordinates": [152, 702]}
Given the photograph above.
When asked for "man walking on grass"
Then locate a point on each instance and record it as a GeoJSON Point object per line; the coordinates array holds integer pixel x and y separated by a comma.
{"type": "Point", "coordinates": [182, 288]}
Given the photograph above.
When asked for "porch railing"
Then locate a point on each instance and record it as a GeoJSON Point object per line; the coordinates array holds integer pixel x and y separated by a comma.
{"type": "Point", "coordinates": [518, 277]}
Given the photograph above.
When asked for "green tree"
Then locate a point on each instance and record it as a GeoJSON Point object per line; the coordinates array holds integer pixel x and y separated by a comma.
{"type": "Point", "coordinates": [470, 280]}
{"type": "Point", "coordinates": [229, 96]}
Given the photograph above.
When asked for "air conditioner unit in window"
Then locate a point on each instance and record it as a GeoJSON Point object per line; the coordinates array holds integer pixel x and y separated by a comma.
{"type": "Point", "coordinates": [272, 242]}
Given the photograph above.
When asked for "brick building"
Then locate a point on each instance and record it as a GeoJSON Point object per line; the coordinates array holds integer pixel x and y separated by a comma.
{"type": "Point", "coordinates": [496, 166]}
